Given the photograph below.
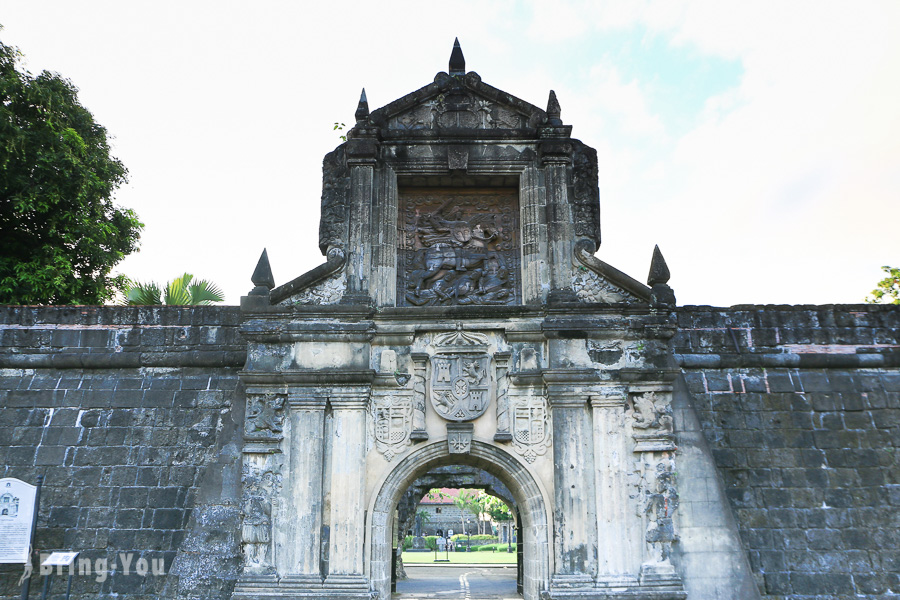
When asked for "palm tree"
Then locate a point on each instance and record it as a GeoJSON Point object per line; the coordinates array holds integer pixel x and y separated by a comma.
{"type": "Point", "coordinates": [180, 291]}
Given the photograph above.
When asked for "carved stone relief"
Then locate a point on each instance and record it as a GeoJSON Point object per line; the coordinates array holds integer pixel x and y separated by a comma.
{"type": "Point", "coordinates": [659, 503]}
{"type": "Point", "coordinates": [530, 425]}
{"type": "Point", "coordinates": [459, 108]}
{"type": "Point", "coordinates": [328, 291]}
{"type": "Point", "coordinates": [590, 287]}
{"type": "Point", "coordinates": [651, 420]}
{"type": "Point", "coordinates": [460, 376]}
{"type": "Point", "coordinates": [264, 419]}
{"type": "Point", "coordinates": [458, 247]}
{"type": "Point", "coordinates": [262, 484]}
{"type": "Point", "coordinates": [391, 420]}
{"type": "Point", "coordinates": [459, 438]}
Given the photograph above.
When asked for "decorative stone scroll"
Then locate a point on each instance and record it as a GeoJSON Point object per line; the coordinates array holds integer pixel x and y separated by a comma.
{"type": "Point", "coordinates": [328, 291]}
{"type": "Point", "coordinates": [591, 287]}
{"type": "Point", "coordinates": [264, 420]}
{"type": "Point", "coordinates": [392, 424]}
{"type": "Point", "coordinates": [458, 247]}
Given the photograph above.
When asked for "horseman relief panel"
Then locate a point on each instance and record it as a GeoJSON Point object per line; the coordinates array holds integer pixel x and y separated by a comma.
{"type": "Point", "coordinates": [458, 247]}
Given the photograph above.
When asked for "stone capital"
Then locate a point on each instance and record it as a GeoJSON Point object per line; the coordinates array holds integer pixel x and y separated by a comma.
{"type": "Point", "coordinates": [608, 397]}
{"type": "Point", "coordinates": [349, 400]}
{"type": "Point", "coordinates": [563, 399]}
{"type": "Point", "coordinates": [306, 399]}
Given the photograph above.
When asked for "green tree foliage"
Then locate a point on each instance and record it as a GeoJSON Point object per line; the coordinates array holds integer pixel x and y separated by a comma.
{"type": "Point", "coordinates": [60, 233]}
{"type": "Point", "coordinates": [180, 291]}
{"type": "Point", "coordinates": [888, 290]}
{"type": "Point", "coordinates": [497, 509]}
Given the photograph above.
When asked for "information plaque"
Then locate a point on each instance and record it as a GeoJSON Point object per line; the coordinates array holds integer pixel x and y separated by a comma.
{"type": "Point", "coordinates": [16, 513]}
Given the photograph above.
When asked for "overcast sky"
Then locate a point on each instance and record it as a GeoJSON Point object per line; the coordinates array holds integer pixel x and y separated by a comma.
{"type": "Point", "coordinates": [758, 143]}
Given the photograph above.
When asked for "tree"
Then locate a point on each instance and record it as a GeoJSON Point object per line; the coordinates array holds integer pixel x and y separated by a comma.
{"type": "Point", "coordinates": [888, 289]}
{"type": "Point", "coordinates": [60, 233]}
{"type": "Point", "coordinates": [498, 510]}
{"type": "Point", "coordinates": [180, 291]}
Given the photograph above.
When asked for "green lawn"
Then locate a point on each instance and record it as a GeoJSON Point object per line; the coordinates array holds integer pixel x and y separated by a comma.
{"type": "Point", "coordinates": [461, 558]}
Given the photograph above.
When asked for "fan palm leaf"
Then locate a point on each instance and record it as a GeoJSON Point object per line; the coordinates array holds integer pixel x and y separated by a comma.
{"type": "Point", "coordinates": [181, 291]}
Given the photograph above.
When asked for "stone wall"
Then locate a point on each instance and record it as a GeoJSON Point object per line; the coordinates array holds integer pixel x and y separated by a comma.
{"type": "Point", "coordinates": [131, 415]}
{"type": "Point", "coordinates": [801, 409]}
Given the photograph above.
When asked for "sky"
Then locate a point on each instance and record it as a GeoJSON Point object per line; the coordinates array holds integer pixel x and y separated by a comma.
{"type": "Point", "coordinates": [757, 143]}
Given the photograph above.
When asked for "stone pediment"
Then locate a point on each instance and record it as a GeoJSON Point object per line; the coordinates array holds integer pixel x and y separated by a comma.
{"type": "Point", "coordinates": [460, 102]}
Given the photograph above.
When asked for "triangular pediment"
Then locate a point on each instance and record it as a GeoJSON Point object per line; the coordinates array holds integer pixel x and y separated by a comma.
{"type": "Point", "coordinates": [461, 102]}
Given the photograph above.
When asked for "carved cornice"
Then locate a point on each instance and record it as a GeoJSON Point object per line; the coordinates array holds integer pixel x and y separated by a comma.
{"type": "Point", "coordinates": [321, 377]}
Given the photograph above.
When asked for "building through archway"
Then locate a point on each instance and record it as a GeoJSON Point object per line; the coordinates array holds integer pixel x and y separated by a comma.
{"type": "Point", "coordinates": [525, 490]}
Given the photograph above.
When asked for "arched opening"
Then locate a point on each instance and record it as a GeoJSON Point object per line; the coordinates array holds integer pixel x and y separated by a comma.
{"type": "Point", "coordinates": [529, 498]}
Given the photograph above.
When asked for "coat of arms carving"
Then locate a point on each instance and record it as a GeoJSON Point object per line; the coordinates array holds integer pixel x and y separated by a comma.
{"type": "Point", "coordinates": [530, 426]}
{"type": "Point", "coordinates": [460, 376]}
{"type": "Point", "coordinates": [392, 424]}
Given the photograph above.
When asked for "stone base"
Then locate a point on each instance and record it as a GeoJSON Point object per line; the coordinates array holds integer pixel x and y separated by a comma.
{"type": "Point", "coordinates": [615, 588]}
{"type": "Point", "coordinates": [299, 587]}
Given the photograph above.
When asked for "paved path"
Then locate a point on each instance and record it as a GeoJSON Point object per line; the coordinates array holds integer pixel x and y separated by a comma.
{"type": "Point", "coordinates": [455, 583]}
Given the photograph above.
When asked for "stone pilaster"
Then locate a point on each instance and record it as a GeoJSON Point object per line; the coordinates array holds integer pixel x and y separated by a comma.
{"type": "Point", "coordinates": [573, 516]}
{"type": "Point", "coordinates": [619, 529]}
{"type": "Point", "coordinates": [533, 208]}
{"type": "Point", "coordinates": [560, 231]}
{"type": "Point", "coordinates": [348, 482]}
{"type": "Point", "coordinates": [361, 160]}
{"type": "Point", "coordinates": [384, 245]}
{"type": "Point", "coordinates": [303, 516]}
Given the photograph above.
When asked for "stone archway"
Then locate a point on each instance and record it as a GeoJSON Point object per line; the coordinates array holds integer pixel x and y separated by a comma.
{"type": "Point", "coordinates": [526, 492]}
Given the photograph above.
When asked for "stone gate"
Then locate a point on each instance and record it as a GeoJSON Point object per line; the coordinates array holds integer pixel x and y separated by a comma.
{"type": "Point", "coordinates": [460, 318]}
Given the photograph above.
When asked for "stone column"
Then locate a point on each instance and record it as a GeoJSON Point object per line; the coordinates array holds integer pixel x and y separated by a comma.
{"type": "Point", "coordinates": [573, 482]}
{"type": "Point", "coordinates": [307, 414]}
{"type": "Point", "coordinates": [619, 531]}
{"type": "Point", "coordinates": [348, 483]}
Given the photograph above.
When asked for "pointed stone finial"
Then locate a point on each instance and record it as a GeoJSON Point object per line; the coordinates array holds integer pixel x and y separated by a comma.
{"type": "Point", "coordinates": [262, 276]}
{"type": "Point", "coordinates": [659, 271]}
{"type": "Point", "coordinates": [553, 110]}
{"type": "Point", "coordinates": [362, 109]}
{"type": "Point", "coordinates": [457, 61]}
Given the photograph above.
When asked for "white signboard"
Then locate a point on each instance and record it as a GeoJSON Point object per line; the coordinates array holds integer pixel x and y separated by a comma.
{"type": "Point", "coordinates": [16, 512]}
{"type": "Point", "coordinates": [60, 559]}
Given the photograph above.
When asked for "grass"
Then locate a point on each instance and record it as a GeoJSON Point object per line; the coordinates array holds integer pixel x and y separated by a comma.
{"type": "Point", "coordinates": [461, 558]}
